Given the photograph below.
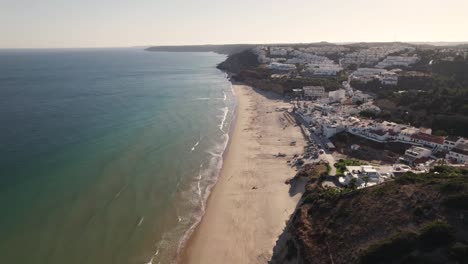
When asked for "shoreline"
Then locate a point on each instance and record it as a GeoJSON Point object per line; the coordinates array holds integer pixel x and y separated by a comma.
{"type": "Point", "coordinates": [235, 195]}
{"type": "Point", "coordinates": [192, 229]}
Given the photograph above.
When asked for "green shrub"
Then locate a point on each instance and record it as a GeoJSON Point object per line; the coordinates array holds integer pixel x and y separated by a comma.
{"type": "Point", "coordinates": [341, 165]}
{"type": "Point", "coordinates": [459, 201]}
{"type": "Point", "coordinates": [459, 251]}
{"type": "Point", "coordinates": [409, 178]}
{"type": "Point", "coordinates": [452, 187]}
{"type": "Point", "coordinates": [436, 234]}
{"type": "Point", "coordinates": [390, 250]}
{"type": "Point", "coordinates": [446, 169]}
{"type": "Point", "coordinates": [418, 211]}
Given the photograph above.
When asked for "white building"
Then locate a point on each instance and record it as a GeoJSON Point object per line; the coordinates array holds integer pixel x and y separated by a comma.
{"type": "Point", "coordinates": [459, 153]}
{"type": "Point", "coordinates": [279, 51]}
{"type": "Point", "coordinates": [337, 96]}
{"type": "Point", "coordinates": [359, 96]}
{"type": "Point", "coordinates": [372, 55]}
{"type": "Point", "coordinates": [367, 175]}
{"type": "Point", "coordinates": [427, 140]}
{"type": "Point", "coordinates": [391, 61]}
{"type": "Point", "coordinates": [332, 129]}
{"type": "Point", "coordinates": [389, 78]}
{"type": "Point", "coordinates": [451, 141]}
{"type": "Point", "coordinates": [322, 70]}
{"type": "Point", "coordinates": [368, 74]}
{"type": "Point", "coordinates": [281, 66]}
{"type": "Point", "coordinates": [417, 152]}
{"type": "Point", "coordinates": [314, 91]}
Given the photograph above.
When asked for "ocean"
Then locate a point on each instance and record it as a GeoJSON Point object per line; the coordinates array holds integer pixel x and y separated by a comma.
{"type": "Point", "coordinates": [107, 155]}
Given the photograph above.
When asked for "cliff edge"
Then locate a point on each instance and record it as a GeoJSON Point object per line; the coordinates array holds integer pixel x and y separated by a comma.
{"type": "Point", "coordinates": [417, 218]}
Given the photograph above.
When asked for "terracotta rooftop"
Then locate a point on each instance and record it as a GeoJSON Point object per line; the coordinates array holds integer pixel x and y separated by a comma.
{"type": "Point", "coordinates": [428, 138]}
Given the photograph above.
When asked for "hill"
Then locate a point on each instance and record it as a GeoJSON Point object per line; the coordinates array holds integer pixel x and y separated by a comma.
{"type": "Point", "coordinates": [413, 219]}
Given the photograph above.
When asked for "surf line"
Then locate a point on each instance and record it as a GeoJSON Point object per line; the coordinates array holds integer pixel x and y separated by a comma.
{"type": "Point", "coordinates": [196, 144]}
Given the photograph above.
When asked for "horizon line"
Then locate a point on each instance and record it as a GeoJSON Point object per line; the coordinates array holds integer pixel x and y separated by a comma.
{"type": "Point", "coordinates": [221, 44]}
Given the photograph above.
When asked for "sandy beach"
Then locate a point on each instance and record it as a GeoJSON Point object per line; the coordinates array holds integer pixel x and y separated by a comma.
{"type": "Point", "coordinates": [250, 203]}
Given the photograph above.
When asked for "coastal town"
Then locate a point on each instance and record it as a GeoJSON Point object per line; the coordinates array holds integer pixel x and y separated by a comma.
{"type": "Point", "coordinates": [341, 123]}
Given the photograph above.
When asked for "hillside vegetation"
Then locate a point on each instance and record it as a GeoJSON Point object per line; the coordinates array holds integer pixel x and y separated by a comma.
{"type": "Point", "coordinates": [413, 219]}
{"type": "Point", "coordinates": [438, 100]}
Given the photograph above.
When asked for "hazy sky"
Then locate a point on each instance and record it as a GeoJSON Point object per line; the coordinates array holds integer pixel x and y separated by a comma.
{"type": "Point", "coordinates": [106, 23]}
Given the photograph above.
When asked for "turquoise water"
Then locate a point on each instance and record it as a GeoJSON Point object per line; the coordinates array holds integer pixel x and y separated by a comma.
{"type": "Point", "coordinates": [107, 155]}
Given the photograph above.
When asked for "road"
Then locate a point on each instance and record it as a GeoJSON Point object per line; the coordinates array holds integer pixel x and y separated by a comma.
{"type": "Point", "coordinates": [326, 156]}
{"type": "Point", "coordinates": [322, 143]}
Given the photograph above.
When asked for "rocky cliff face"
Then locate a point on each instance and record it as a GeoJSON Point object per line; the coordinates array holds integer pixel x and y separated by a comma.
{"type": "Point", "coordinates": [238, 62]}
{"type": "Point", "coordinates": [414, 219]}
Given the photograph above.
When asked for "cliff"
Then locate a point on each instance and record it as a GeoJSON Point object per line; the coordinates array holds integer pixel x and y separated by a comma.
{"type": "Point", "coordinates": [414, 219]}
{"type": "Point", "coordinates": [239, 62]}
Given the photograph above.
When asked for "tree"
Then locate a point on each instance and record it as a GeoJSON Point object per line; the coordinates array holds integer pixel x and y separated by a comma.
{"type": "Point", "coordinates": [352, 184]}
{"type": "Point", "coordinates": [440, 132]}
{"type": "Point", "coordinates": [366, 180]}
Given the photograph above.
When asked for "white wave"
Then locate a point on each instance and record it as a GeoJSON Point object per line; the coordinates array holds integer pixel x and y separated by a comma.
{"type": "Point", "coordinates": [214, 154]}
{"type": "Point", "coordinates": [199, 191]}
{"type": "Point", "coordinates": [194, 146]}
{"type": "Point", "coordinates": [155, 254]}
{"type": "Point", "coordinates": [214, 168]}
{"type": "Point", "coordinates": [208, 98]}
{"type": "Point", "coordinates": [120, 191]}
{"type": "Point", "coordinates": [141, 221]}
{"type": "Point", "coordinates": [225, 112]}
{"type": "Point", "coordinates": [150, 261]}
{"type": "Point", "coordinates": [225, 97]}
{"type": "Point", "coordinates": [232, 90]}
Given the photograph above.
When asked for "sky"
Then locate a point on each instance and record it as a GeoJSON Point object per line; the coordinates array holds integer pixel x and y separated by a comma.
{"type": "Point", "coordinates": [123, 23]}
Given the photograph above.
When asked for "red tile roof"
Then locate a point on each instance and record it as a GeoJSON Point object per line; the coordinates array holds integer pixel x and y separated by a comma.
{"type": "Point", "coordinates": [428, 138]}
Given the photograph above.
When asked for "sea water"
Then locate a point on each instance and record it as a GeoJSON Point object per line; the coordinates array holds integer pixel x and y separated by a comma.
{"type": "Point", "coordinates": [107, 155]}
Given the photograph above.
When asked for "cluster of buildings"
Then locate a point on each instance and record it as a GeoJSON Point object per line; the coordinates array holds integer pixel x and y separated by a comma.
{"type": "Point", "coordinates": [372, 55]}
{"type": "Point", "coordinates": [327, 117]}
{"type": "Point", "coordinates": [366, 75]}
{"type": "Point", "coordinates": [313, 62]}
{"type": "Point", "coordinates": [339, 96]}
{"type": "Point", "coordinates": [281, 66]}
{"type": "Point", "coordinates": [458, 149]}
{"type": "Point", "coordinates": [325, 50]}
{"type": "Point", "coordinates": [326, 120]}
{"type": "Point", "coordinates": [424, 143]}
{"type": "Point", "coordinates": [393, 61]}
{"type": "Point", "coordinates": [286, 59]}
{"type": "Point", "coordinates": [337, 111]}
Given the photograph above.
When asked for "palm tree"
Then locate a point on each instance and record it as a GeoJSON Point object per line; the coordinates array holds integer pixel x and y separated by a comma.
{"type": "Point", "coordinates": [352, 184]}
{"type": "Point", "coordinates": [366, 180]}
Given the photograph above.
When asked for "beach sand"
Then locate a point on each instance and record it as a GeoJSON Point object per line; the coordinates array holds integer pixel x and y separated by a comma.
{"type": "Point", "coordinates": [250, 203]}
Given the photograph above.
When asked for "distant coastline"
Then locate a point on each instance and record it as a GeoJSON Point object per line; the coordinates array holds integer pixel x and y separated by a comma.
{"type": "Point", "coordinates": [221, 49]}
{"type": "Point", "coordinates": [229, 49]}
